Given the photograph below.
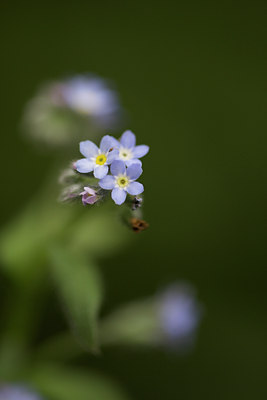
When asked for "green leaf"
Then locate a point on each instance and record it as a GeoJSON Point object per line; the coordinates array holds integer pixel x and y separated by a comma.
{"type": "Point", "coordinates": [61, 383]}
{"type": "Point", "coordinates": [99, 231]}
{"type": "Point", "coordinates": [134, 324]}
{"type": "Point", "coordinates": [24, 241]}
{"type": "Point", "coordinates": [80, 289]}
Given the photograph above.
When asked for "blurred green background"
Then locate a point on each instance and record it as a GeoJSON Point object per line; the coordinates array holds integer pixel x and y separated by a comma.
{"type": "Point", "coordinates": [192, 76]}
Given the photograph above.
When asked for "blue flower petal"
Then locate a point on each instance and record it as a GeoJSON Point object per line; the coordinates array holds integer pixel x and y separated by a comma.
{"type": "Point", "coordinates": [106, 143]}
{"type": "Point", "coordinates": [112, 155]}
{"type": "Point", "coordinates": [88, 149]}
{"type": "Point", "coordinates": [117, 168]}
{"type": "Point", "coordinates": [100, 171]}
{"type": "Point", "coordinates": [135, 188]}
{"type": "Point", "coordinates": [84, 165]}
{"type": "Point", "coordinates": [108, 182]}
{"type": "Point", "coordinates": [140, 151]}
{"type": "Point", "coordinates": [115, 143]}
{"type": "Point", "coordinates": [118, 195]}
{"type": "Point", "coordinates": [128, 139]}
{"type": "Point", "coordinates": [133, 161]}
{"type": "Point", "coordinates": [134, 171]}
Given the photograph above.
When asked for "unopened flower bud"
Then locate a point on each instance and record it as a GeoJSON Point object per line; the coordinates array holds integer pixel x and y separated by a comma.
{"type": "Point", "coordinates": [67, 176]}
{"type": "Point", "coordinates": [89, 196]}
{"type": "Point", "coordinates": [137, 203]}
{"type": "Point", "coordinates": [70, 192]}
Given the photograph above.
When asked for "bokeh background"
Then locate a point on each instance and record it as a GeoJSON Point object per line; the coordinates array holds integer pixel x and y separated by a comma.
{"type": "Point", "coordinates": [192, 76]}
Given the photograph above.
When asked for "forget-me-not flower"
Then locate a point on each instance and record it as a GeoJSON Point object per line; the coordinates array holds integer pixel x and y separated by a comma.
{"type": "Point", "coordinates": [15, 392]}
{"type": "Point", "coordinates": [97, 159]}
{"type": "Point", "coordinates": [64, 111]}
{"type": "Point", "coordinates": [180, 314]}
{"type": "Point", "coordinates": [128, 151]}
{"type": "Point", "coordinates": [91, 96]}
{"type": "Point", "coordinates": [122, 181]}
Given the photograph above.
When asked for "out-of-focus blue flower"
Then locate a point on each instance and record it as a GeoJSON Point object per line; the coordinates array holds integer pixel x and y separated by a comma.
{"type": "Point", "coordinates": [97, 159]}
{"type": "Point", "coordinates": [180, 314]}
{"type": "Point", "coordinates": [66, 111]}
{"type": "Point", "coordinates": [15, 392]}
{"type": "Point", "coordinates": [91, 95]}
{"type": "Point", "coordinates": [89, 196]}
{"type": "Point", "coordinates": [128, 151]}
{"type": "Point", "coordinates": [168, 320]}
{"type": "Point", "coordinates": [122, 181]}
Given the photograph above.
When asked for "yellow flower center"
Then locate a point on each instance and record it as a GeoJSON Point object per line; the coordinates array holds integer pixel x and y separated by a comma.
{"type": "Point", "coordinates": [101, 159]}
{"type": "Point", "coordinates": [122, 181]}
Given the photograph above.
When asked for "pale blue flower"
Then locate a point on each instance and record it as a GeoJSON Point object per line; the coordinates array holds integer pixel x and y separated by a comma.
{"type": "Point", "coordinates": [122, 181]}
{"type": "Point", "coordinates": [92, 96]}
{"type": "Point", "coordinates": [180, 314]}
{"type": "Point", "coordinates": [65, 111]}
{"type": "Point", "coordinates": [15, 392]}
{"type": "Point", "coordinates": [97, 159]}
{"type": "Point", "coordinates": [128, 151]}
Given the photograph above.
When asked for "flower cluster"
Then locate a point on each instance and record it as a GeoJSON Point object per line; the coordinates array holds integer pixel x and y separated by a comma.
{"type": "Point", "coordinates": [119, 157]}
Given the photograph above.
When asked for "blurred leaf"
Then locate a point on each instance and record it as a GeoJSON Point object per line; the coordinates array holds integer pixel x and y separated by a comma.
{"type": "Point", "coordinates": [60, 347]}
{"type": "Point", "coordinates": [23, 243]}
{"type": "Point", "coordinates": [100, 231]}
{"type": "Point", "coordinates": [61, 383]}
{"type": "Point", "coordinates": [134, 324]}
{"type": "Point", "coordinates": [80, 288]}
